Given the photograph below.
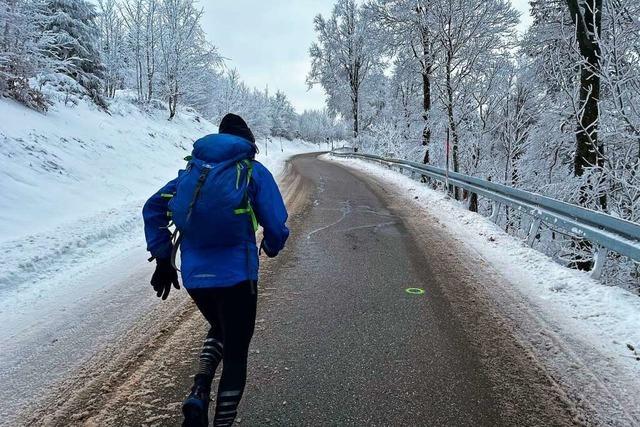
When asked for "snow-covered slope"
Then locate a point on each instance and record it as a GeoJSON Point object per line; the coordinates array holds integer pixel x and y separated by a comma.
{"type": "Point", "coordinates": [72, 185]}
{"type": "Point", "coordinates": [76, 177]}
{"type": "Point", "coordinates": [74, 162]}
{"type": "Point", "coordinates": [72, 182]}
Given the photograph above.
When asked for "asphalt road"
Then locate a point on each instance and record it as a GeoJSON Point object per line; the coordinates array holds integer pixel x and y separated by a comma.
{"type": "Point", "coordinates": [341, 342]}
{"type": "Point", "coordinates": [338, 340]}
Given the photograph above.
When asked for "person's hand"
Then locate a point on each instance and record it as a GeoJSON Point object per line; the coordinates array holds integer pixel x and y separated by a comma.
{"type": "Point", "coordinates": [264, 248]}
{"type": "Point", "coordinates": [164, 276]}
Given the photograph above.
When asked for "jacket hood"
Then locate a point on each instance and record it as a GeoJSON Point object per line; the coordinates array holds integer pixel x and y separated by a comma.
{"type": "Point", "coordinates": [217, 148]}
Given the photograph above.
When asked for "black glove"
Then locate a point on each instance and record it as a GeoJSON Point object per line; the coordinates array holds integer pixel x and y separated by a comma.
{"type": "Point", "coordinates": [264, 248]}
{"type": "Point", "coordinates": [164, 276]}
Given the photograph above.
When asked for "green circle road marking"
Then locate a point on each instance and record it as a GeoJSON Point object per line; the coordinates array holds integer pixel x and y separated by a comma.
{"type": "Point", "coordinates": [414, 291]}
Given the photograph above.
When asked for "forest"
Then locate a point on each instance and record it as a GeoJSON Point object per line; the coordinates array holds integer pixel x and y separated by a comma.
{"type": "Point", "coordinates": [153, 51]}
{"type": "Point", "coordinates": [555, 110]}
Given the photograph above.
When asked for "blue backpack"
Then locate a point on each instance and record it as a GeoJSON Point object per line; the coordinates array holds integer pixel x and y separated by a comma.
{"type": "Point", "coordinates": [211, 203]}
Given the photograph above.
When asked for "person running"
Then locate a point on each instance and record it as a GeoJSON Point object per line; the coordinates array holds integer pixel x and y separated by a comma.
{"type": "Point", "coordinates": [216, 204]}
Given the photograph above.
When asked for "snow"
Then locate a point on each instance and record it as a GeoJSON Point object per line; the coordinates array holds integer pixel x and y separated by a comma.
{"type": "Point", "coordinates": [73, 183]}
{"type": "Point", "coordinates": [75, 179]}
{"type": "Point", "coordinates": [601, 324]}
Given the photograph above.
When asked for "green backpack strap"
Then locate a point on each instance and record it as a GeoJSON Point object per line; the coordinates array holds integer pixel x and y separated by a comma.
{"type": "Point", "coordinates": [248, 209]}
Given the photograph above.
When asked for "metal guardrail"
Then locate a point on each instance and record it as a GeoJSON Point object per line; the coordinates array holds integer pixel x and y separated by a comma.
{"type": "Point", "coordinates": [606, 232]}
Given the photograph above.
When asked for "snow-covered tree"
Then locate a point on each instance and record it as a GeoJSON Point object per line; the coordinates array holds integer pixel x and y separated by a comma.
{"type": "Point", "coordinates": [75, 45]}
{"type": "Point", "coordinates": [134, 14]}
{"type": "Point", "coordinates": [22, 52]}
{"type": "Point", "coordinates": [318, 126]}
{"type": "Point", "coordinates": [587, 19]}
{"type": "Point", "coordinates": [554, 112]}
{"type": "Point", "coordinates": [232, 95]}
{"type": "Point", "coordinates": [408, 28]}
{"type": "Point", "coordinates": [346, 57]}
{"type": "Point", "coordinates": [180, 30]}
{"type": "Point", "coordinates": [112, 45]}
{"type": "Point", "coordinates": [467, 31]}
{"type": "Point", "coordinates": [142, 20]}
{"type": "Point", "coordinates": [282, 116]}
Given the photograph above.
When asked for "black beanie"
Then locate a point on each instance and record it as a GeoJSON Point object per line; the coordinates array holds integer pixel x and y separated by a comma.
{"type": "Point", "coordinates": [234, 125]}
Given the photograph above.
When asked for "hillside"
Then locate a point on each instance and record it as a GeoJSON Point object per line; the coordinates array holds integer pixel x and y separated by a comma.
{"type": "Point", "coordinates": [73, 182]}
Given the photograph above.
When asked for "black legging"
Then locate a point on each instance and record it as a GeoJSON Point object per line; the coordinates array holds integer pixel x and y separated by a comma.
{"type": "Point", "coordinates": [231, 312]}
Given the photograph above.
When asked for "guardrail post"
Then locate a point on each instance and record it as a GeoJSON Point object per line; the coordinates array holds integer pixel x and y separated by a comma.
{"type": "Point", "coordinates": [600, 256]}
{"type": "Point", "coordinates": [533, 231]}
{"type": "Point", "coordinates": [495, 211]}
{"type": "Point", "coordinates": [467, 202]}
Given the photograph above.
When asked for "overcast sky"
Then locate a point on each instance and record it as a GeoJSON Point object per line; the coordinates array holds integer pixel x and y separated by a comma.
{"type": "Point", "coordinates": [268, 42]}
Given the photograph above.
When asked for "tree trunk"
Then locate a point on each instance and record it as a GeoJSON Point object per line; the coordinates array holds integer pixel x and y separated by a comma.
{"type": "Point", "coordinates": [150, 73]}
{"type": "Point", "coordinates": [455, 160]}
{"type": "Point", "coordinates": [11, 9]}
{"type": "Point", "coordinates": [589, 151]}
{"type": "Point", "coordinates": [473, 197]}
{"type": "Point", "coordinates": [173, 100]}
{"type": "Point", "coordinates": [150, 48]}
{"type": "Point", "coordinates": [139, 78]}
{"type": "Point", "coordinates": [587, 147]}
{"type": "Point", "coordinates": [354, 108]}
{"type": "Point", "coordinates": [426, 105]}
{"type": "Point", "coordinates": [150, 88]}
{"type": "Point", "coordinates": [473, 202]}
{"type": "Point", "coordinates": [452, 123]}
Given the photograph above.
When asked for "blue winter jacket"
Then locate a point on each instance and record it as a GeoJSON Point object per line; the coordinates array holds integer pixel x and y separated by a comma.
{"type": "Point", "coordinates": [212, 265]}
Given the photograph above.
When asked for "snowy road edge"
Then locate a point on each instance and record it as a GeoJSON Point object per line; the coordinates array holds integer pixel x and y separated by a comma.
{"type": "Point", "coordinates": [591, 324]}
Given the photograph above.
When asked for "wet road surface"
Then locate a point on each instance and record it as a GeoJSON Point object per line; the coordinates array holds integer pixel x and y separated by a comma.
{"type": "Point", "coordinates": [341, 342]}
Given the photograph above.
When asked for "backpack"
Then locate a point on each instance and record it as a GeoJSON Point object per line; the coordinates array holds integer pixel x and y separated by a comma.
{"type": "Point", "coordinates": [211, 204]}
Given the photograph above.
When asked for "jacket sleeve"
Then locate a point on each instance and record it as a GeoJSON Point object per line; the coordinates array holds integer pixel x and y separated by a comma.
{"type": "Point", "coordinates": [270, 209]}
{"type": "Point", "coordinates": [156, 220]}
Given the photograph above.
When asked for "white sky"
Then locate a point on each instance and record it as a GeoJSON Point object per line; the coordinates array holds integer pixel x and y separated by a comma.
{"type": "Point", "coordinates": [268, 41]}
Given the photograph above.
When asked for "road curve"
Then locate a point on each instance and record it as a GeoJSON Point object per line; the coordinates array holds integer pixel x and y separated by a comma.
{"type": "Point", "coordinates": [340, 341]}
